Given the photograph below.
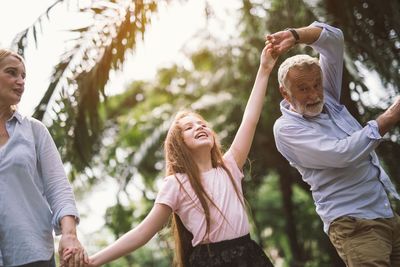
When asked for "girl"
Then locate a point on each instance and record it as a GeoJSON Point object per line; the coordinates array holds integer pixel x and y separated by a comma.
{"type": "Point", "coordinates": [203, 192]}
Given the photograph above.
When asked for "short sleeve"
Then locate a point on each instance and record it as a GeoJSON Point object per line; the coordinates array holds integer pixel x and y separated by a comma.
{"type": "Point", "coordinates": [231, 164]}
{"type": "Point", "coordinates": [169, 193]}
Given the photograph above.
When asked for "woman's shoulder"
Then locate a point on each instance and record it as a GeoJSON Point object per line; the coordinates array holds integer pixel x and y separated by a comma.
{"type": "Point", "coordinates": [28, 122]}
{"type": "Point", "coordinates": [31, 121]}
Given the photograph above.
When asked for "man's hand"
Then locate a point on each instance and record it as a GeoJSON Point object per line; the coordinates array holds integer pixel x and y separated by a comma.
{"type": "Point", "coordinates": [282, 41]}
{"type": "Point", "coordinates": [389, 118]}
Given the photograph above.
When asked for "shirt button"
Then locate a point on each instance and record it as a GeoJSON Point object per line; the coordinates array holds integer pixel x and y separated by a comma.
{"type": "Point", "coordinates": [386, 205]}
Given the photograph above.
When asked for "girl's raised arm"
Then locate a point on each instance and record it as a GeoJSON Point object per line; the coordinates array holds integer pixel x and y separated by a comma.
{"type": "Point", "coordinates": [244, 137]}
{"type": "Point", "coordinates": [135, 238]}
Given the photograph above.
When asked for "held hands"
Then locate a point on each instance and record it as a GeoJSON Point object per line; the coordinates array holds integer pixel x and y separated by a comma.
{"type": "Point", "coordinates": [282, 41]}
{"type": "Point", "coordinates": [71, 252]}
{"type": "Point", "coordinates": [269, 56]}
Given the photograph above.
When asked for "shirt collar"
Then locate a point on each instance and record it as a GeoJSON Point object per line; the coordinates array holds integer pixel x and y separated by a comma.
{"type": "Point", "coordinates": [286, 111]}
{"type": "Point", "coordinates": [17, 116]}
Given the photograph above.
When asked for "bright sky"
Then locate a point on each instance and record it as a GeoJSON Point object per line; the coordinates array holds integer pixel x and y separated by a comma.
{"type": "Point", "coordinates": [160, 47]}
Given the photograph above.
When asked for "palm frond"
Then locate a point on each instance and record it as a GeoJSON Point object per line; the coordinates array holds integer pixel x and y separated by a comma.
{"type": "Point", "coordinates": [84, 70]}
{"type": "Point", "coordinates": [20, 43]}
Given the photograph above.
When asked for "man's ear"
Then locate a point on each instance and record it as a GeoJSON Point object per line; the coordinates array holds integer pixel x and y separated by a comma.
{"type": "Point", "coordinates": [284, 93]}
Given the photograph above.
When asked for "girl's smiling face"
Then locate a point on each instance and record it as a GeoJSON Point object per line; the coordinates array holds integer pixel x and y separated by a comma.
{"type": "Point", "coordinates": [196, 133]}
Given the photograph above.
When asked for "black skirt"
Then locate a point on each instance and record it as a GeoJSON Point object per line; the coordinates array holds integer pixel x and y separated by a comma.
{"type": "Point", "coordinates": [238, 252]}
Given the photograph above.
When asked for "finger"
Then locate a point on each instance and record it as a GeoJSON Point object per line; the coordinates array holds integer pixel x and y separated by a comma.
{"type": "Point", "coordinates": [68, 263]}
{"type": "Point", "coordinates": [67, 254]}
{"type": "Point", "coordinates": [67, 257]}
{"type": "Point", "coordinates": [270, 38]}
{"type": "Point", "coordinates": [81, 258]}
{"type": "Point", "coordinates": [76, 259]}
{"type": "Point", "coordinates": [62, 263]}
{"type": "Point", "coordinates": [85, 257]}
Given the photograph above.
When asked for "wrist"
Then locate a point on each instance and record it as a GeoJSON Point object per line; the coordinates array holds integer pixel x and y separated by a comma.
{"type": "Point", "coordinates": [68, 234]}
{"type": "Point", "coordinates": [295, 35]}
{"type": "Point", "coordinates": [68, 225]}
{"type": "Point", "coordinates": [263, 72]}
{"type": "Point", "coordinates": [94, 261]}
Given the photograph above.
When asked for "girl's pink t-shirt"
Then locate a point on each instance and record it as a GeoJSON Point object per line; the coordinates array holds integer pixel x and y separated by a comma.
{"type": "Point", "coordinates": [183, 201]}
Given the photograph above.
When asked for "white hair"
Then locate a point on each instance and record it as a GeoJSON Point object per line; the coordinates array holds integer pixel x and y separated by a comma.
{"type": "Point", "coordinates": [298, 61]}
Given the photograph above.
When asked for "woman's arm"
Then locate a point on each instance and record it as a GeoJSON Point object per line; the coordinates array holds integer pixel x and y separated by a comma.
{"type": "Point", "coordinates": [135, 238]}
{"type": "Point", "coordinates": [244, 137]}
{"type": "Point", "coordinates": [70, 249]}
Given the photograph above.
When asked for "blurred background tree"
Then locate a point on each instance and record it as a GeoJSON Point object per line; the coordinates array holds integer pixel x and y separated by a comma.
{"type": "Point", "coordinates": [120, 137]}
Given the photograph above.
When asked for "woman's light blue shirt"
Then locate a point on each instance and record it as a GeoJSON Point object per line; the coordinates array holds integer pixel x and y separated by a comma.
{"type": "Point", "coordinates": [34, 192]}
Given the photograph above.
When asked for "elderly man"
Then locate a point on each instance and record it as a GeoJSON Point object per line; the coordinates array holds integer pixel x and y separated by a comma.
{"type": "Point", "coordinates": [333, 153]}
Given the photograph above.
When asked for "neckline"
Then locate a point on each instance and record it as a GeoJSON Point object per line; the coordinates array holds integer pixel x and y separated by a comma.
{"type": "Point", "coordinates": [208, 171]}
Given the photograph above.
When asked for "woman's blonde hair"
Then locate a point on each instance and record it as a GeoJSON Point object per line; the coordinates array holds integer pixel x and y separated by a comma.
{"type": "Point", "coordinates": [4, 53]}
{"type": "Point", "coordinates": [179, 160]}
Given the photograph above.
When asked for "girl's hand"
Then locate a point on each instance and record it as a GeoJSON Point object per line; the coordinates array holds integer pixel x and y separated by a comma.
{"type": "Point", "coordinates": [269, 56]}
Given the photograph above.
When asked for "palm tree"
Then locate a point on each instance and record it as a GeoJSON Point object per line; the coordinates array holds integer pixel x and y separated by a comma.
{"type": "Point", "coordinates": [84, 69]}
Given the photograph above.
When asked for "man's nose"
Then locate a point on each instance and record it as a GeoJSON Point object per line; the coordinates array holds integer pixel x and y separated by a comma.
{"type": "Point", "coordinates": [315, 93]}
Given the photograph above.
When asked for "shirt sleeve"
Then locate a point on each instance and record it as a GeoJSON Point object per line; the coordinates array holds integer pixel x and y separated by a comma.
{"type": "Point", "coordinates": [169, 193]}
{"type": "Point", "coordinates": [58, 190]}
{"type": "Point", "coordinates": [310, 148]}
{"type": "Point", "coordinates": [231, 164]}
{"type": "Point", "coordinates": [330, 46]}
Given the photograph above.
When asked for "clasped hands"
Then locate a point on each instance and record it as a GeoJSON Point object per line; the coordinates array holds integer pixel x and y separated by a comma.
{"type": "Point", "coordinates": [71, 252]}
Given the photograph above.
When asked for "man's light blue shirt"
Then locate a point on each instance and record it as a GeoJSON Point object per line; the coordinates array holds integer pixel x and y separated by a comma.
{"type": "Point", "coordinates": [34, 193]}
{"type": "Point", "coordinates": [332, 152]}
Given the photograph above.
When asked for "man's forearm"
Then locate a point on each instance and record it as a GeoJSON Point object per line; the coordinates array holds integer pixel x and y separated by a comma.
{"type": "Point", "coordinates": [309, 34]}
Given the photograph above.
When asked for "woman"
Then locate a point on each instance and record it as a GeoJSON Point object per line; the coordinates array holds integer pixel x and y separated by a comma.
{"type": "Point", "coordinates": [203, 192]}
{"type": "Point", "coordinates": [35, 195]}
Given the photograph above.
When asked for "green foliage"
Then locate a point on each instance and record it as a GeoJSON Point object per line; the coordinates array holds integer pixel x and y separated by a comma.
{"type": "Point", "coordinates": [119, 219]}
{"type": "Point", "coordinates": [122, 137]}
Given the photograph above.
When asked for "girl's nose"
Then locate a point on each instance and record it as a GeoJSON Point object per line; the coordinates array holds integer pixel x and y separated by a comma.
{"type": "Point", "coordinates": [199, 127]}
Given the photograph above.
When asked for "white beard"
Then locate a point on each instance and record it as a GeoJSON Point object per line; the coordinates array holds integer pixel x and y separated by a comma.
{"type": "Point", "coordinates": [309, 111]}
